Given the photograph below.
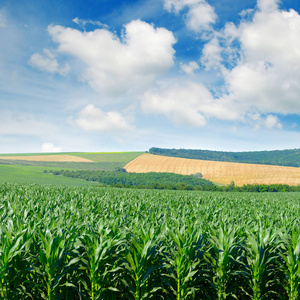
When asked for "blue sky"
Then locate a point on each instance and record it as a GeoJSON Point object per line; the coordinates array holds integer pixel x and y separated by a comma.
{"type": "Point", "coordinates": [126, 75]}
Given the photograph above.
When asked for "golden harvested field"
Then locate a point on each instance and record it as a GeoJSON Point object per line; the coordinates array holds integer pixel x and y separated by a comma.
{"type": "Point", "coordinates": [55, 158]}
{"type": "Point", "coordinates": [216, 171]}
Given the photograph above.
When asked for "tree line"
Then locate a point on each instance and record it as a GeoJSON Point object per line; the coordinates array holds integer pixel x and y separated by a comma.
{"type": "Point", "coordinates": [289, 158]}
{"type": "Point", "coordinates": [169, 181]}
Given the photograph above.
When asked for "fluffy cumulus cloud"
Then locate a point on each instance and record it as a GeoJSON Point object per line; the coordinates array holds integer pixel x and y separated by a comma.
{"type": "Point", "coordinates": [189, 68]}
{"type": "Point", "coordinates": [272, 121]}
{"type": "Point", "coordinates": [200, 15]}
{"type": "Point", "coordinates": [116, 65]}
{"type": "Point", "coordinates": [211, 55]}
{"type": "Point", "coordinates": [268, 5]}
{"type": "Point", "coordinates": [92, 118]}
{"type": "Point", "coordinates": [47, 62]}
{"type": "Point", "coordinates": [269, 121]}
{"type": "Point", "coordinates": [268, 74]}
{"type": "Point", "coordinates": [188, 104]}
{"type": "Point", "coordinates": [255, 64]}
{"type": "Point", "coordinates": [49, 147]}
{"type": "Point", "coordinates": [259, 63]}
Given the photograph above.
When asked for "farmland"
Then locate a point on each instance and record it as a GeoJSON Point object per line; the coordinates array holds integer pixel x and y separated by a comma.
{"type": "Point", "coordinates": [217, 171]}
{"type": "Point", "coordinates": [146, 244]}
{"type": "Point", "coordinates": [29, 168]}
{"type": "Point", "coordinates": [35, 174]}
{"type": "Point", "coordinates": [53, 158]}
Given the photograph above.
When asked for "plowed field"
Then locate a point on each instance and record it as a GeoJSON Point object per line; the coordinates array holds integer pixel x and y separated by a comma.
{"type": "Point", "coordinates": [216, 171]}
{"type": "Point", "coordinates": [55, 158]}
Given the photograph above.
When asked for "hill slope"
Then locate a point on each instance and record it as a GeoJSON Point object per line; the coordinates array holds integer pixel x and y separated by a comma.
{"type": "Point", "coordinates": [216, 171]}
{"type": "Point", "coordinates": [29, 168]}
{"type": "Point", "coordinates": [277, 157]}
{"type": "Point", "coordinates": [76, 160]}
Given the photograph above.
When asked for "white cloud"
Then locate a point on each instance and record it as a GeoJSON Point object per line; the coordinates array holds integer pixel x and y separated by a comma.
{"type": "Point", "coordinates": [190, 67]}
{"type": "Point", "coordinates": [200, 15]}
{"type": "Point", "coordinates": [211, 55]}
{"type": "Point", "coordinates": [189, 104]}
{"type": "Point", "coordinates": [48, 62]}
{"type": "Point", "coordinates": [272, 122]}
{"type": "Point", "coordinates": [49, 147]}
{"type": "Point", "coordinates": [268, 5]}
{"type": "Point", "coordinates": [269, 75]}
{"type": "Point", "coordinates": [260, 63]}
{"type": "Point", "coordinates": [116, 66]}
{"type": "Point", "coordinates": [83, 22]}
{"type": "Point", "coordinates": [92, 118]}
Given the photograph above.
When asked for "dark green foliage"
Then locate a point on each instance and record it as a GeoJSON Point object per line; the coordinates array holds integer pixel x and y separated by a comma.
{"type": "Point", "coordinates": [153, 180]}
{"type": "Point", "coordinates": [278, 157]}
{"type": "Point", "coordinates": [167, 181]}
{"type": "Point", "coordinates": [198, 175]}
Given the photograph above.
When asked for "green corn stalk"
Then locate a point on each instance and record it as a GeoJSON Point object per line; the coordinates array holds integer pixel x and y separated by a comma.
{"type": "Point", "coordinates": [291, 257]}
{"type": "Point", "coordinates": [53, 261]}
{"type": "Point", "coordinates": [12, 242]}
{"type": "Point", "coordinates": [262, 257]}
{"type": "Point", "coordinates": [99, 260]}
{"type": "Point", "coordinates": [222, 258]}
{"type": "Point", "coordinates": [141, 260]}
{"type": "Point", "coordinates": [183, 261]}
{"type": "Point", "coordinates": [254, 266]}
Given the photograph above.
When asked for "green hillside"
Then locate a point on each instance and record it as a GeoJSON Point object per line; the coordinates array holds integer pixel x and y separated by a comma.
{"type": "Point", "coordinates": [106, 161]}
{"type": "Point", "coordinates": [34, 174]}
{"type": "Point", "coordinates": [22, 171]}
{"type": "Point", "coordinates": [289, 158]}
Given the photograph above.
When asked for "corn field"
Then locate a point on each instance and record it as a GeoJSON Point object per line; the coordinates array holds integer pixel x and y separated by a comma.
{"type": "Point", "coordinates": [104, 243]}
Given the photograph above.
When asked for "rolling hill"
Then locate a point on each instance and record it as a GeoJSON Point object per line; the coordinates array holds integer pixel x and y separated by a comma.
{"type": "Point", "coordinates": [289, 157]}
{"type": "Point", "coordinates": [31, 167]}
{"type": "Point", "coordinates": [217, 171]}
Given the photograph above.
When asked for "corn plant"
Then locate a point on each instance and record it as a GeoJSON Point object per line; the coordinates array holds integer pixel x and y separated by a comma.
{"type": "Point", "coordinates": [12, 244]}
{"type": "Point", "coordinates": [291, 257]}
{"type": "Point", "coordinates": [262, 248]}
{"type": "Point", "coordinates": [99, 260]}
{"type": "Point", "coordinates": [52, 262]}
{"type": "Point", "coordinates": [100, 243]}
{"type": "Point", "coordinates": [142, 257]}
{"type": "Point", "coordinates": [224, 260]}
{"type": "Point", "coordinates": [184, 261]}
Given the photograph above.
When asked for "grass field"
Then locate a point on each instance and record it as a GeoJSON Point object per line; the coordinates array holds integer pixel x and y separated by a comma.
{"type": "Point", "coordinates": [29, 168]}
{"type": "Point", "coordinates": [122, 157]}
{"type": "Point", "coordinates": [50, 158]}
{"type": "Point", "coordinates": [219, 172]}
{"type": "Point", "coordinates": [116, 157]}
{"type": "Point", "coordinates": [34, 174]}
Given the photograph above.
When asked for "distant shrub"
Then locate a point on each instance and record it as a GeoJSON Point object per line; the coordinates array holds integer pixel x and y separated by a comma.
{"type": "Point", "coordinates": [198, 175]}
{"type": "Point", "coordinates": [121, 170]}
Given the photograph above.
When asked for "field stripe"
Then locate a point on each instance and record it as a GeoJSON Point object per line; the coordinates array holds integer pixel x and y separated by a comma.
{"type": "Point", "coordinates": [216, 171]}
{"type": "Point", "coordinates": [52, 158]}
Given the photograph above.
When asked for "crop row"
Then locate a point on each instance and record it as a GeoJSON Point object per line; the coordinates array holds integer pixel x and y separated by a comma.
{"type": "Point", "coordinates": [103, 243]}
